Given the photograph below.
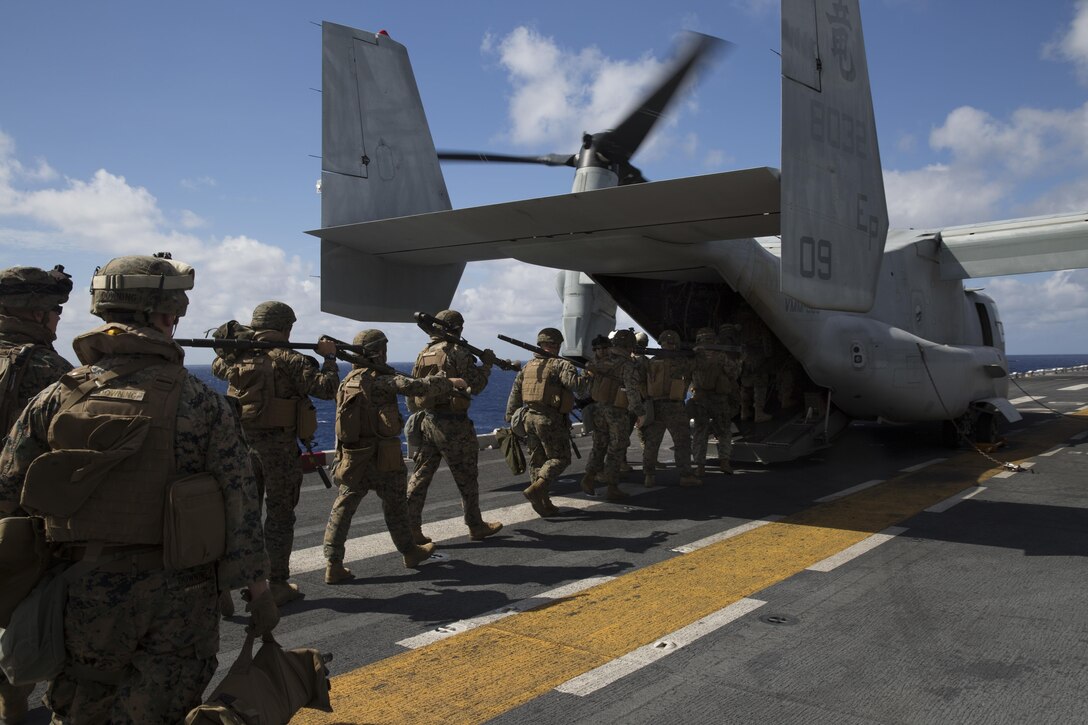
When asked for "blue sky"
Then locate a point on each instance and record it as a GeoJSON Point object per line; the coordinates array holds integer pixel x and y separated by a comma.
{"type": "Point", "coordinates": [132, 127]}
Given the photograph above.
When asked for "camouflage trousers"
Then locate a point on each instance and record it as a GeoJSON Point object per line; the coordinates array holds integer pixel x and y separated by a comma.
{"type": "Point", "coordinates": [279, 453]}
{"type": "Point", "coordinates": [673, 416]}
{"type": "Point", "coordinates": [452, 437]}
{"type": "Point", "coordinates": [141, 647]}
{"type": "Point", "coordinates": [548, 436]}
{"type": "Point", "coordinates": [611, 436]}
{"type": "Point", "coordinates": [712, 414]}
{"type": "Point", "coordinates": [392, 489]}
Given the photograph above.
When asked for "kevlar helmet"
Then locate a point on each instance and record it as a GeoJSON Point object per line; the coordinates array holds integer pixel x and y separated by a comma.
{"type": "Point", "coordinates": [623, 339]}
{"type": "Point", "coordinates": [147, 284]}
{"type": "Point", "coordinates": [728, 334]}
{"type": "Point", "coordinates": [31, 288]}
{"type": "Point", "coordinates": [642, 339]}
{"type": "Point", "coordinates": [669, 339]}
{"type": "Point", "coordinates": [705, 336]}
{"type": "Point", "coordinates": [273, 315]}
{"type": "Point", "coordinates": [452, 318]}
{"type": "Point", "coordinates": [600, 342]}
{"type": "Point", "coordinates": [371, 339]}
{"type": "Point", "coordinates": [549, 335]}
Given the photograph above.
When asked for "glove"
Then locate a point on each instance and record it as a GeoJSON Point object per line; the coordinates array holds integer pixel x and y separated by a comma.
{"type": "Point", "coordinates": [488, 357]}
{"type": "Point", "coordinates": [264, 615]}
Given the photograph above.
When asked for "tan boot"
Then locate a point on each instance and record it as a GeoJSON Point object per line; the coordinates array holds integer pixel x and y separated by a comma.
{"type": "Point", "coordinates": [615, 493]}
{"type": "Point", "coordinates": [690, 479]}
{"type": "Point", "coordinates": [418, 555]}
{"type": "Point", "coordinates": [226, 605]}
{"type": "Point", "coordinates": [482, 530]}
{"type": "Point", "coordinates": [336, 573]}
{"type": "Point", "coordinates": [551, 507]}
{"type": "Point", "coordinates": [419, 539]}
{"type": "Point", "coordinates": [589, 484]}
{"type": "Point", "coordinates": [535, 494]}
{"type": "Point", "coordinates": [284, 592]}
{"type": "Point", "coordinates": [648, 480]}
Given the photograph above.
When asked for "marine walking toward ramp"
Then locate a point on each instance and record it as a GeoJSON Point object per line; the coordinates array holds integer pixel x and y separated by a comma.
{"type": "Point", "coordinates": [667, 381]}
{"type": "Point", "coordinates": [714, 400]}
{"type": "Point", "coordinates": [272, 388]}
{"type": "Point", "coordinates": [150, 442]}
{"type": "Point", "coordinates": [546, 387]}
{"type": "Point", "coordinates": [447, 431]}
{"type": "Point", "coordinates": [368, 452]}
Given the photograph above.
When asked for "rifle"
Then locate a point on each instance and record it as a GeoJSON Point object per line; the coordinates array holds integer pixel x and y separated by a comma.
{"type": "Point", "coordinates": [436, 327]}
{"type": "Point", "coordinates": [543, 353]}
{"type": "Point", "coordinates": [688, 351]}
{"type": "Point", "coordinates": [354, 354]}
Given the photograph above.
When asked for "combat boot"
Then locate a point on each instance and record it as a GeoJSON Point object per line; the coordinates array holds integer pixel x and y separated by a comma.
{"type": "Point", "coordinates": [482, 530]}
{"type": "Point", "coordinates": [551, 507]}
{"type": "Point", "coordinates": [419, 539]}
{"type": "Point", "coordinates": [648, 480]}
{"type": "Point", "coordinates": [226, 605]}
{"type": "Point", "coordinates": [284, 591]}
{"type": "Point", "coordinates": [615, 493]}
{"type": "Point", "coordinates": [336, 573]}
{"type": "Point", "coordinates": [588, 484]}
{"type": "Point", "coordinates": [690, 479]}
{"type": "Point", "coordinates": [535, 494]}
{"type": "Point", "coordinates": [418, 555]}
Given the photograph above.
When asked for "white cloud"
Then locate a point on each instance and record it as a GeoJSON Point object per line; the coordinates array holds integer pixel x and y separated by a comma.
{"type": "Point", "coordinates": [941, 195]}
{"type": "Point", "coordinates": [1072, 46]}
{"type": "Point", "coordinates": [191, 220]}
{"type": "Point", "coordinates": [560, 93]}
{"type": "Point", "coordinates": [198, 183]}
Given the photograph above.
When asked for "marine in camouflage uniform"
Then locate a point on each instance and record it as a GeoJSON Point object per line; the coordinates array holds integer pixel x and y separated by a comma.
{"type": "Point", "coordinates": [30, 308]}
{"type": "Point", "coordinates": [275, 438]}
{"type": "Point", "coordinates": [616, 395]}
{"type": "Point", "coordinates": [759, 344]}
{"type": "Point", "coordinates": [447, 430]}
{"type": "Point", "coordinates": [368, 452]}
{"type": "Point", "coordinates": [547, 387]}
{"type": "Point", "coordinates": [141, 640]}
{"type": "Point", "coordinates": [714, 400]}
{"type": "Point", "coordinates": [668, 379]}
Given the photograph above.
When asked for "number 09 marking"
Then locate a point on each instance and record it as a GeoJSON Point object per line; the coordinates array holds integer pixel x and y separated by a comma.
{"type": "Point", "coordinates": [815, 258]}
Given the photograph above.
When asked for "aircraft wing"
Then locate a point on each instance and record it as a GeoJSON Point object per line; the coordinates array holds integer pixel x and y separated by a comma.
{"type": "Point", "coordinates": [622, 230]}
{"type": "Point", "coordinates": [1016, 246]}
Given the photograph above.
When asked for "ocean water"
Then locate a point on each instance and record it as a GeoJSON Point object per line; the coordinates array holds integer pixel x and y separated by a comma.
{"type": "Point", "coordinates": [489, 407]}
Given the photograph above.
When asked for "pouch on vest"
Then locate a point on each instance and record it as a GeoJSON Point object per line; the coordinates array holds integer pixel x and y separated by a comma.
{"type": "Point", "coordinates": [267, 689]}
{"type": "Point", "coordinates": [195, 522]}
{"type": "Point", "coordinates": [352, 462]}
{"type": "Point", "coordinates": [510, 446]}
{"type": "Point", "coordinates": [59, 482]}
{"type": "Point", "coordinates": [389, 458]}
{"type": "Point", "coordinates": [24, 559]}
{"type": "Point", "coordinates": [305, 419]}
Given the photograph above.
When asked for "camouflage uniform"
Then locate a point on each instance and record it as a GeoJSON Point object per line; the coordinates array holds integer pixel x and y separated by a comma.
{"type": "Point", "coordinates": [547, 422]}
{"type": "Point", "coordinates": [714, 402]}
{"type": "Point", "coordinates": [295, 377]}
{"type": "Point", "coordinates": [42, 366]}
{"type": "Point", "coordinates": [142, 640]}
{"type": "Point", "coordinates": [365, 468]}
{"type": "Point", "coordinates": [611, 434]}
{"type": "Point", "coordinates": [668, 379]}
{"type": "Point", "coordinates": [759, 343]}
{"type": "Point", "coordinates": [448, 433]}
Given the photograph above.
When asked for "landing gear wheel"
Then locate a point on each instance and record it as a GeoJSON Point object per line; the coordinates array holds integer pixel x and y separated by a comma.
{"type": "Point", "coordinates": [985, 428]}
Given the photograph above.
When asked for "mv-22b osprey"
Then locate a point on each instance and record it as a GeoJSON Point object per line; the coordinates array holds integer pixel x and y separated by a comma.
{"type": "Point", "coordinates": [878, 319]}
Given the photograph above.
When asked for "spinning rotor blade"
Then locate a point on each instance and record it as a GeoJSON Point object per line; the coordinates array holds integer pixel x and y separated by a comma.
{"type": "Point", "coordinates": [620, 143]}
{"type": "Point", "coordinates": [546, 160]}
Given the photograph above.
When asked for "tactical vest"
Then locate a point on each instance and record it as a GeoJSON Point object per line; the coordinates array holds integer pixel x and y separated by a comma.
{"type": "Point", "coordinates": [112, 458]}
{"type": "Point", "coordinates": [716, 374]}
{"type": "Point", "coordinates": [540, 386]}
{"type": "Point", "coordinates": [363, 413]}
{"type": "Point", "coordinates": [434, 360]}
{"type": "Point", "coordinates": [252, 381]}
{"type": "Point", "coordinates": [607, 387]}
{"type": "Point", "coordinates": [13, 360]}
{"type": "Point", "coordinates": [664, 381]}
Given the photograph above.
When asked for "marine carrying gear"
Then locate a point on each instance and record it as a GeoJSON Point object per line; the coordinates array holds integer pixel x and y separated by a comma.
{"type": "Point", "coordinates": [368, 423]}
{"type": "Point", "coordinates": [434, 360]}
{"type": "Point", "coordinates": [664, 381]}
{"type": "Point", "coordinates": [31, 288]}
{"type": "Point", "coordinates": [549, 335]}
{"type": "Point", "coordinates": [13, 362]}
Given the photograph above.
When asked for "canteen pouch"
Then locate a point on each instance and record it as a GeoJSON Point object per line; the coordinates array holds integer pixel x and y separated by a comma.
{"type": "Point", "coordinates": [195, 523]}
{"type": "Point", "coordinates": [305, 419]}
{"type": "Point", "coordinates": [24, 559]}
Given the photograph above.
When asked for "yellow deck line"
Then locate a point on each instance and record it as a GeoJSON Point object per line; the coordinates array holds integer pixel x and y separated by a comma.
{"type": "Point", "coordinates": [484, 672]}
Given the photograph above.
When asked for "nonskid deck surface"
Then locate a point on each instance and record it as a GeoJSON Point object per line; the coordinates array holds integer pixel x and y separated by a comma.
{"type": "Point", "coordinates": [889, 579]}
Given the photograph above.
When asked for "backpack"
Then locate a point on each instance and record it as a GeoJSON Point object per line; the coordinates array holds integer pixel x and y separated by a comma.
{"type": "Point", "coordinates": [12, 369]}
